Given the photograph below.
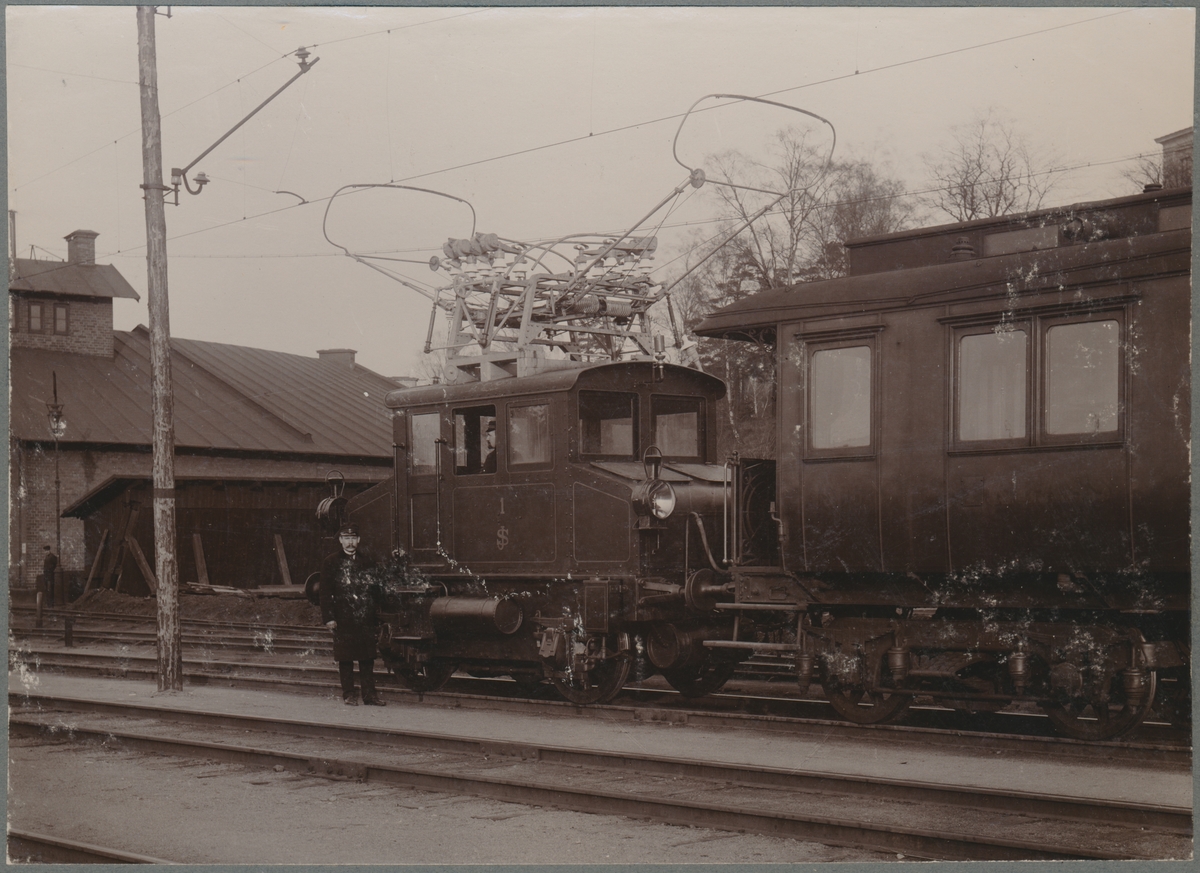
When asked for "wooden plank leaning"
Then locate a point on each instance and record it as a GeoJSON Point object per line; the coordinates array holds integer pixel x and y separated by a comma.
{"type": "Point", "coordinates": [96, 561]}
{"type": "Point", "coordinates": [281, 556]}
{"type": "Point", "coordinates": [201, 566]}
{"type": "Point", "coordinates": [143, 564]}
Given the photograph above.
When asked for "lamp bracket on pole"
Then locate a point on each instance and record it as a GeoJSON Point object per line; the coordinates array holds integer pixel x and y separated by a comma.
{"type": "Point", "coordinates": [179, 176]}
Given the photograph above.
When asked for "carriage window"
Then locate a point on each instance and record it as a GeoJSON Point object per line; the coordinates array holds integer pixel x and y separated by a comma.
{"type": "Point", "coordinates": [992, 371]}
{"type": "Point", "coordinates": [475, 440]}
{"type": "Point", "coordinates": [676, 425]}
{"type": "Point", "coordinates": [840, 398]}
{"type": "Point", "coordinates": [528, 435]}
{"type": "Point", "coordinates": [1082, 364]}
{"type": "Point", "coordinates": [425, 431]}
{"type": "Point", "coordinates": [607, 423]}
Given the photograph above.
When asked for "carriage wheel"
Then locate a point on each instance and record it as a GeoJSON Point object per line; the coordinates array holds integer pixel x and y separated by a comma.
{"type": "Point", "coordinates": [430, 676]}
{"type": "Point", "coordinates": [600, 684]}
{"type": "Point", "coordinates": [1083, 719]}
{"type": "Point", "coordinates": [855, 703]}
{"type": "Point", "coordinates": [528, 684]}
{"type": "Point", "coordinates": [701, 679]}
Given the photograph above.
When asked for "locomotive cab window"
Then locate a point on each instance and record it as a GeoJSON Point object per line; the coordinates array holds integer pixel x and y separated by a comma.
{"type": "Point", "coordinates": [675, 422]}
{"type": "Point", "coordinates": [840, 400]}
{"type": "Point", "coordinates": [529, 435]}
{"type": "Point", "coordinates": [424, 431]}
{"type": "Point", "coordinates": [475, 440]}
{"type": "Point", "coordinates": [608, 424]}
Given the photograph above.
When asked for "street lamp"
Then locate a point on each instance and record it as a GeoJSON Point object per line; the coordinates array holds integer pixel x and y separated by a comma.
{"type": "Point", "coordinates": [58, 426]}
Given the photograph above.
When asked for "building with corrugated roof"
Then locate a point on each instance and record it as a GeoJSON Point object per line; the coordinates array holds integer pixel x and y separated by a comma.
{"type": "Point", "coordinates": [257, 432]}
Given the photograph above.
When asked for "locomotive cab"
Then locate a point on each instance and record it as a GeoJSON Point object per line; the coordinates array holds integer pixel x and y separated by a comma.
{"type": "Point", "coordinates": [549, 521]}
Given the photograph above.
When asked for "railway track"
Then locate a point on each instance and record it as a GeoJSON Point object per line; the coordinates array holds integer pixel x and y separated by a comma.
{"type": "Point", "coordinates": [761, 688]}
{"type": "Point", "coordinates": [647, 704]}
{"type": "Point", "coordinates": [918, 819]}
{"type": "Point", "coordinates": [30, 847]}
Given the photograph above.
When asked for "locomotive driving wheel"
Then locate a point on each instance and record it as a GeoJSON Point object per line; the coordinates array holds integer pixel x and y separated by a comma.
{"type": "Point", "coordinates": [853, 701]}
{"type": "Point", "coordinates": [1082, 718]}
{"type": "Point", "coordinates": [601, 683]}
{"type": "Point", "coordinates": [701, 679]}
{"type": "Point", "coordinates": [424, 677]}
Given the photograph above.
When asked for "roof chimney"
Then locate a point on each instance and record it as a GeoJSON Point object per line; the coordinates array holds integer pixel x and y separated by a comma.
{"type": "Point", "coordinates": [81, 247]}
{"type": "Point", "coordinates": [341, 357]}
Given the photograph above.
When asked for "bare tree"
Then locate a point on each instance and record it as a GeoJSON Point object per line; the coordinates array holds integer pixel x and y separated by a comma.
{"type": "Point", "coordinates": [1148, 170]}
{"type": "Point", "coordinates": [988, 168]}
{"type": "Point", "coordinates": [800, 240]}
{"type": "Point", "coordinates": [802, 237]}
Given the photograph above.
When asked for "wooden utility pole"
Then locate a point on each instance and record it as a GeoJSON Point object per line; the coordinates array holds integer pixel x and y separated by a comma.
{"type": "Point", "coordinates": [170, 651]}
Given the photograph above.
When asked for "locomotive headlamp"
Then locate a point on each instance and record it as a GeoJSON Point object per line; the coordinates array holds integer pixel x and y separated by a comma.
{"type": "Point", "coordinates": [654, 498]}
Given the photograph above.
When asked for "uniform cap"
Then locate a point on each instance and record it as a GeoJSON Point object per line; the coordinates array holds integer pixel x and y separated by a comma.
{"type": "Point", "coordinates": [349, 530]}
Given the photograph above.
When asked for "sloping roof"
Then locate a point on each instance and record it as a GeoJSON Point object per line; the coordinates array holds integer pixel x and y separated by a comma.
{"type": "Point", "coordinates": [79, 280]}
{"type": "Point", "coordinates": [226, 397]}
{"type": "Point", "coordinates": [1121, 259]}
{"type": "Point", "coordinates": [626, 372]}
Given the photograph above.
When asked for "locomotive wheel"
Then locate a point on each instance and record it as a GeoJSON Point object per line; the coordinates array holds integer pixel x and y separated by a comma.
{"type": "Point", "coordinates": [857, 704]}
{"type": "Point", "coordinates": [527, 683]}
{"type": "Point", "coordinates": [600, 685]}
{"type": "Point", "coordinates": [429, 676]}
{"type": "Point", "coordinates": [701, 679]}
{"type": "Point", "coordinates": [1081, 719]}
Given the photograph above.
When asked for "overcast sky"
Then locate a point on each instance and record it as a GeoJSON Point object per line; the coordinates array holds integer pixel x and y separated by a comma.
{"type": "Point", "coordinates": [549, 121]}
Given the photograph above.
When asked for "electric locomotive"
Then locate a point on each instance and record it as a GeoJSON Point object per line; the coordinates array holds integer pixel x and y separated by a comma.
{"type": "Point", "coordinates": [552, 523]}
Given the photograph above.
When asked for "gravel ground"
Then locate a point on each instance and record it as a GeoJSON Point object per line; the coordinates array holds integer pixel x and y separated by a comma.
{"type": "Point", "coordinates": [208, 812]}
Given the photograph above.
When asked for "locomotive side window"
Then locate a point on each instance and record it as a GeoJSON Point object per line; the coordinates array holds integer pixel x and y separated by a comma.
{"type": "Point", "coordinates": [528, 435]}
{"type": "Point", "coordinates": [475, 440]}
{"type": "Point", "coordinates": [424, 432]}
{"type": "Point", "coordinates": [1082, 366]}
{"type": "Point", "coordinates": [840, 398]}
{"type": "Point", "coordinates": [675, 422]}
{"type": "Point", "coordinates": [608, 424]}
{"type": "Point", "coordinates": [993, 370]}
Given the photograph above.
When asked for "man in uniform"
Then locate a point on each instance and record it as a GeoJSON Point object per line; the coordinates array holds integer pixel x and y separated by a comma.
{"type": "Point", "coordinates": [350, 598]}
{"type": "Point", "coordinates": [489, 449]}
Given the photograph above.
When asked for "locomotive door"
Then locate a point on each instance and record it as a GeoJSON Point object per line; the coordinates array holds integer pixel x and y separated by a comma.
{"type": "Point", "coordinates": [419, 503]}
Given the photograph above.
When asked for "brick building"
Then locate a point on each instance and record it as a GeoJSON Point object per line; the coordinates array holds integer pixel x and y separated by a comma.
{"type": "Point", "coordinates": [256, 434]}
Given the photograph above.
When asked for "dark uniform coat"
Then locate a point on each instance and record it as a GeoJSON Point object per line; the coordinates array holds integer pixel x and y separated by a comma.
{"type": "Point", "coordinates": [350, 595]}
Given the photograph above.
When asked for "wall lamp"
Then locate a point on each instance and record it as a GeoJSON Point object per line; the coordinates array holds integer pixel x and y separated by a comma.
{"type": "Point", "coordinates": [179, 176]}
